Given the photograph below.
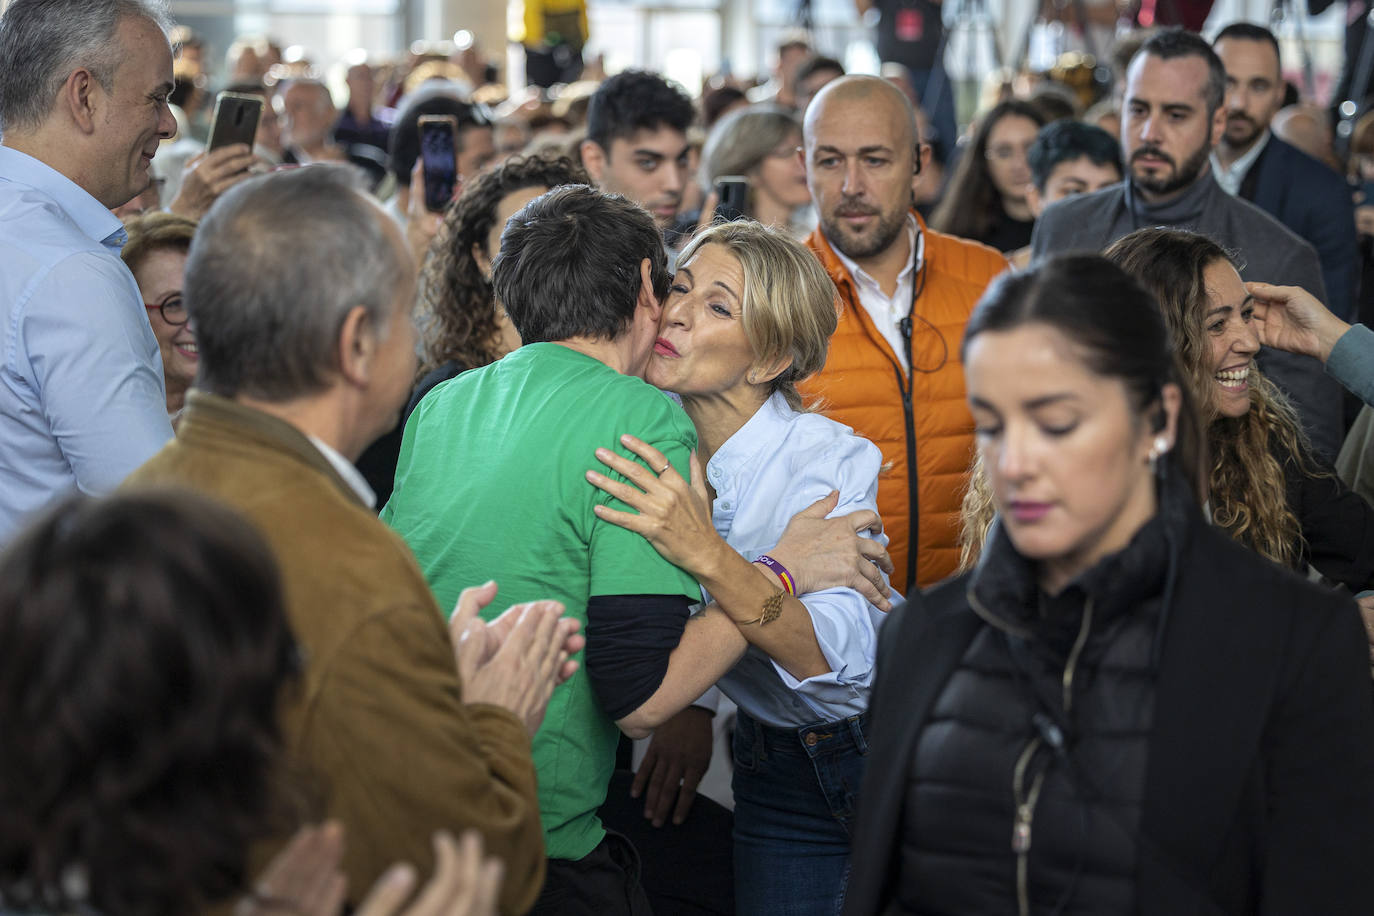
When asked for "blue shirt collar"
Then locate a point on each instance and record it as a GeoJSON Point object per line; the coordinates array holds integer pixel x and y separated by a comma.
{"type": "Point", "coordinates": [738, 455]}
{"type": "Point", "coordinates": [90, 216]}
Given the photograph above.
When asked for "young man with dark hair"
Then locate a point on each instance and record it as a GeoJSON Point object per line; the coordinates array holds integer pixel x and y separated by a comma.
{"type": "Point", "coordinates": [1070, 157]}
{"type": "Point", "coordinates": [1253, 164]}
{"type": "Point", "coordinates": [1067, 158]}
{"type": "Point", "coordinates": [1173, 115]}
{"type": "Point", "coordinates": [636, 142]}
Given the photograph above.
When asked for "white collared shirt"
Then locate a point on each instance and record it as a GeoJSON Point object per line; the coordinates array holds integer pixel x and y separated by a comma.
{"type": "Point", "coordinates": [777, 464]}
{"type": "Point", "coordinates": [887, 312]}
{"type": "Point", "coordinates": [1230, 178]}
{"type": "Point", "coordinates": [347, 471]}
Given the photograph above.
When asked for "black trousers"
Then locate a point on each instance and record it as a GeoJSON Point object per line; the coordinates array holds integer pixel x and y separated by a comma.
{"type": "Point", "coordinates": [688, 868]}
{"type": "Point", "coordinates": [604, 882]}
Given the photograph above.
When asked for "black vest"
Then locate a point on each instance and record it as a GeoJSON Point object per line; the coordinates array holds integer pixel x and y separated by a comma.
{"type": "Point", "coordinates": [1026, 785]}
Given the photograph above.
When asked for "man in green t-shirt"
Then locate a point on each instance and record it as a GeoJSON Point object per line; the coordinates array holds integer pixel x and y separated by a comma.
{"type": "Point", "coordinates": [491, 484]}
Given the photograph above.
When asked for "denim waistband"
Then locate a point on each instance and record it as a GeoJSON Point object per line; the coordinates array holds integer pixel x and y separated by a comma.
{"type": "Point", "coordinates": [815, 739]}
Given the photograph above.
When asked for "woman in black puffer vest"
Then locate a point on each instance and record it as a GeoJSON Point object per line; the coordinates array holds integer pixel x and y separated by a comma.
{"type": "Point", "coordinates": [1119, 710]}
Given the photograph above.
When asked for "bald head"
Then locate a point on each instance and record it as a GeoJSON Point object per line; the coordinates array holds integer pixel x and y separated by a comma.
{"type": "Point", "coordinates": [862, 167]}
{"type": "Point", "coordinates": [869, 96]}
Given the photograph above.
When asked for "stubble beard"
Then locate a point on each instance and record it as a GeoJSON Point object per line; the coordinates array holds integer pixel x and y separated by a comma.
{"type": "Point", "coordinates": [1183, 175]}
{"type": "Point", "coordinates": [858, 247]}
{"type": "Point", "coordinates": [1245, 142]}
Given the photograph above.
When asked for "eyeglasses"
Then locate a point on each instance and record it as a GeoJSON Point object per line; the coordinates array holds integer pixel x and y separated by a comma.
{"type": "Point", "coordinates": [1005, 152]}
{"type": "Point", "coordinates": [172, 308]}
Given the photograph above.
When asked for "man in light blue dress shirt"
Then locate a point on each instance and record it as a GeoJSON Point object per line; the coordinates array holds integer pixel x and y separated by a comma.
{"type": "Point", "coordinates": [83, 106]}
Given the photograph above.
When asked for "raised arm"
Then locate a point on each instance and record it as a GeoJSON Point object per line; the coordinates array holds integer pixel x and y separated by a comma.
{"type": "Point", "coordinates": [674, 517]}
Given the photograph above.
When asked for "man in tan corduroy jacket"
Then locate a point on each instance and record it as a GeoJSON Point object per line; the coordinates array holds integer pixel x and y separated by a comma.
{"type": "Point", "coordinates": [299, 289]}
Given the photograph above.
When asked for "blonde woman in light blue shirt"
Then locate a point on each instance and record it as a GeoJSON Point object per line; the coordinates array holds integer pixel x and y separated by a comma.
{"type": "Point", "coordinates": [749, 315]}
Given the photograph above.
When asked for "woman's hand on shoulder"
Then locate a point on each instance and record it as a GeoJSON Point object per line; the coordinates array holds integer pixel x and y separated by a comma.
{"type": "Point", "coordinates": [672, 514]}
{"type": "Point", "coordinates": [823, 552]}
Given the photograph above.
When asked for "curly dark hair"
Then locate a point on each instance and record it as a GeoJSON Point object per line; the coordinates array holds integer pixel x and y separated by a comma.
{"type": "Point", "coordinates": [457, 301]}
{"type": "Point", "coordinates": [143, 649]}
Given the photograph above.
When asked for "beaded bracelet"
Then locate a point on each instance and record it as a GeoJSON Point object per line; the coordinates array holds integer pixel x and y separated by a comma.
{"type": "Point", "coordinates": [788, 585]}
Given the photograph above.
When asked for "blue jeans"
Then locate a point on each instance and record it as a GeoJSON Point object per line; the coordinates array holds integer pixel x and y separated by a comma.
{"type": "Point", "coordinates": [796, 791]}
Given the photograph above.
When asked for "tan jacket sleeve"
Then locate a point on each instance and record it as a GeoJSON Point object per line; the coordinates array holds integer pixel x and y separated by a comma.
{"type": "Point", "coordinates": [400, 755]}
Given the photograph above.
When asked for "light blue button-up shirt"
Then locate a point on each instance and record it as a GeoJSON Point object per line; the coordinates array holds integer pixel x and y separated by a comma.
{"type": "Point", "coordinates": [780, 462]}
{"type": "Point", "coordinates": [82, 397]}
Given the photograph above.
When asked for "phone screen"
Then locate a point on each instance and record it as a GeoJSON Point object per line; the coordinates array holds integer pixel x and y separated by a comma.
{"type": "Point", "coordinates": [437, 150]}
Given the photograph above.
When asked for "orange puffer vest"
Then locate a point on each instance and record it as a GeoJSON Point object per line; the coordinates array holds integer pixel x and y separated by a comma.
{"type": "Point", "coordinates": [864, 386]}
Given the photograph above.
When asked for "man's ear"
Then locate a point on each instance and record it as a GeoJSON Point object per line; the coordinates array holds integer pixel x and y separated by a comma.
{"type": "Point", "coordinates": [82, 96]}
{"type": "Point", "coordinates": [480, 257]}
{"type": "Point", "coordinates": [594, 160]}
{"type": "Point", "coordinates": [647, 298]}
{"type": "Point", "coordinates": [1034, 201]}
{"type": "Point", "coordinates": [358, 342]}
{"type": "Point", "coordinates": [1218, 128]}
{"type": "Point", "coordinates": [919, 160]}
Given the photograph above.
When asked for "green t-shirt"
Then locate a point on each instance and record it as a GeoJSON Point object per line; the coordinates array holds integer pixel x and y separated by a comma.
{"type": "Point", "coordinates": [491, 485]}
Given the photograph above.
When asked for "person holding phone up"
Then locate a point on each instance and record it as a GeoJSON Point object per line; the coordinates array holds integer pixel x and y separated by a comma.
{"type": "Point", "coordinates": [754, 150]}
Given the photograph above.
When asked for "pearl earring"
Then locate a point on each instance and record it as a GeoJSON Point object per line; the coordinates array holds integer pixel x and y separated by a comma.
{"type": "Point", "coordinates": [1160, 448]}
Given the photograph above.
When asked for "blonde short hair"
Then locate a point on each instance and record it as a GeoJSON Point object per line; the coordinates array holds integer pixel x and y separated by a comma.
{"type": "Point", "coordinates": [156, 231]}
{"type": "Point", "coordinates": [789, 303]}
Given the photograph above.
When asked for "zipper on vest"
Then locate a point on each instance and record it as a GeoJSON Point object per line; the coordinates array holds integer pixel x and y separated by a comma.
{"type": "Point", "coordinates": [905, 383]}
{"type": "Point", "coordinates": [1021, 826]}
{"type": "Point", "coordinates": [1026, 800]}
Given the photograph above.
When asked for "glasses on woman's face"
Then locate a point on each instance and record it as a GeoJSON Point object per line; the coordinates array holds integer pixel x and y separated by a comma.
{"type": "Point", "coordinates": [172, 308]}
{"type": "Point", "coordinates": [1007, 152]}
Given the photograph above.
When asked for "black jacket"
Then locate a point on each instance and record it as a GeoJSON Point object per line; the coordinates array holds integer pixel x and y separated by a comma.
{"type": "Point", "coordinates": [1337, 524]}
{"type": "Point", "coordinates": [1259, 786]}
{"type": "Point", "coordinates": [1312, 200]}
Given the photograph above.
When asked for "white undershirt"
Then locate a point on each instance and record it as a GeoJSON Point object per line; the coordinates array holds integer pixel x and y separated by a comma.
{"type": "Point", "coordinates": [347, 471]}
{"type": "Point", "coordinates": [1230, 177]}
{"type": "Point", "coordinates": [887, 312]}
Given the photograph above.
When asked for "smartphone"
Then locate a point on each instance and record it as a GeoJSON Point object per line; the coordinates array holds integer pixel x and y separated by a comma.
{"type": "Point", "coordinates": [732, 192]}
{"type": "Point", "coordinates": [235, 120]}
{"type": "Point", "coordinates": [438, 151]}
